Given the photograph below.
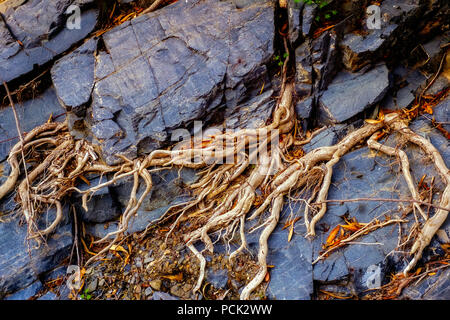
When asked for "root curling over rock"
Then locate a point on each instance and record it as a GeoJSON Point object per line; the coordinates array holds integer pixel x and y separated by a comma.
{"type": "Point", "coordinates": [226, 193]}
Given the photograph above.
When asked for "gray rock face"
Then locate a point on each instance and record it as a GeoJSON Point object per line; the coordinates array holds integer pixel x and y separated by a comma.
{"type": "Point", "coordinates": [20, 267]}
{"type": "Point", "coordinates": [316, 64]}
{"type": "Point", "coordinates": [218, 278]}
{"type": "Point", "coordinates": [442, 114]}
{"type": "Point", "coordinates": [73, 75]}
{"type": "Point", "coordinates": [26, 293]}
{"type": "Point", "coordinates": [361, 174]}
{"type": "Point", "coordinates": [436, 287]}
{"type": "Point", "coordinates": [102, 206]}
{"type": "Point", "coordinates": [294, 20]}
{"type": "Point", "coordinates": [41, 27]}
{"type": "Point", "coordinates": [327, 137]}
{"type": "Point", "coordinates": [159, 75]}
{"type": "Point", "coordinates": [359, 50]}
{"type": "Point", "coordinates": [406, 84]}
{"type": "Point", "coordinates": [309, 13]}
{"type": "Point", "coordinates": [304, 107]}
{"type": "Point", "coordinates": [303, 70]}
{"type": "Point", "coordinates": [292, 276]}
{"type": "Point", "coordinates": [168, 190]}
{"type": "Point", "coordinates": [252, 114]}
{"type": "Point", "coordinates": [350, 94]}
{"type": "Point", "coordinates": [31, 114]}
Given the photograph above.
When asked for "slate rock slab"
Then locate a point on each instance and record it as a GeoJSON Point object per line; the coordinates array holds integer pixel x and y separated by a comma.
{"type": "Point", "coordinates": [435, 287]}
{"type": "Point", "coordinates": [406, 84]}
{"type": "Point", "coordinates": [252, 114]}
{"type": "Point", "coordinates": [27, 292]}
{"type": "Point", "coordinates": [362, 174]}
{"type": "Point", "coordinates": [292, 274]}
{"type": "Point", "coordinates": [295, 20]}
{"type": "Point", "coordinates": [21, 265]}
{"type": "Point", "coordinates": [73, 75]}
{"type": "Point", "coordinates": [169, 188]}
{"type": "Point", "coordinates": [360, 50]}
{"type": "Point", "coordinates": [31, 113]}
{"type": "Point", "coordinates": [41, 28]}
{"type": "Point", "coordinates": [157, 75]}
{"type": "Point", "coordinates": [351, 93]}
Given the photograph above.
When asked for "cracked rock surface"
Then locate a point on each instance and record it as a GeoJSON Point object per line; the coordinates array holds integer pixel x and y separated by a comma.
{"type": "Point", "coordinates": [163, 70]}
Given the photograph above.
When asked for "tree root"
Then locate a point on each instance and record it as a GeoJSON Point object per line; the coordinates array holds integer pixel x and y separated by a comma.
{"type": "Point", "coordinates": [226, 192]}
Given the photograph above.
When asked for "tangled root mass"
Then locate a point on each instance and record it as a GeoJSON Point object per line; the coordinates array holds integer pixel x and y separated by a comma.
{"type": "Point", "coordinates": [223, 197]}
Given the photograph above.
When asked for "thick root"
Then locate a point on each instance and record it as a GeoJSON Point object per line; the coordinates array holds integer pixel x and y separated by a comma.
{"type": "Point", "coordinates": [226, 193]}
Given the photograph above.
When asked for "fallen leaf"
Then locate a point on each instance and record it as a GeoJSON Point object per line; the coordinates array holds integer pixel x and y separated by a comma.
{"type": "Point", "coordinates": [267, 277]}
{"type": "Point", "coordinates": [85, 180]}
{"type": "Point", "coordinates": [176, 277]}
{"type": "Point", "coordinates": [291, 232]}
{"type": "Point", "coordinates": [332, 235]}
{"type": "Point", "coordinates": [290, 222]}
{"type": "Point", "coordinates": [118, 248]}
{"type": "Point", "coordinates": [352, 227]}
{"type": "Point", "coordinates": [372, 121]}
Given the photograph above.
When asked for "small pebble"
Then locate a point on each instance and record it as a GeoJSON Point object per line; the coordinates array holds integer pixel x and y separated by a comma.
{"type": "Point", "coordinates": [92, 286]}
{"type": "Point", "coordinates": [148, 291]}
{"type": "Point", "coordinates": [156, 284]}
{"type": "Point", "coordinates": [148, 260]}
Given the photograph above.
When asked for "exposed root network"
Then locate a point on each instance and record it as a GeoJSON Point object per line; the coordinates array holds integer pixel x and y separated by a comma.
{"type": "Point", "coordinates": [236, 167]}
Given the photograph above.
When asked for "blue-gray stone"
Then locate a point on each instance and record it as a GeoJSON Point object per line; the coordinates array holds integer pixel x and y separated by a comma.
{"type": "Point", "coordinates": [217, 278]}
{"type": "Point", "coordinates": [26, 293]}
{"type": "Point", "coordinates": [102, 205]}
{"type": "Point", "coordinates": [169, 189]}
{"type": "Point", "coordinates": [327, 137]}
{"type": "Point", "coordinates": [294, 19]}
{"type": "Point", "coordinates": [20, 264]}
{"type": "Point", "coordinates": [40, 26]}
{"type": "Point", "coordinates": [359, 50]}
{"type": "Point", "coordinates": [291, 278]}
{"type": "Point", "coordinates": [5, 170]}
{"type": "Point", "coordinates": [252, 114]}
{"type": "Point", "coordinates": [309, 13]}
{"type": "Point", "coordinates": [351, 93]}
{"type": "Point", "coordinates": [48, 296]}
{"type": "Point", "coordinates": [410, 81]}
{"type": "Point", "coordinates": [304, 107]}
{"type": "Point", "coordinates": [157, 76]}
{"type": "Point", "coordinates": [73, 75]}
{"type": "Point", "coordinates": [159, 295]}
{"type": "Point", "coordinates": [31, 113]}
{"type": "Point", "coordinates": [441, 113]}
{"type": "Point", "coordinates": [435, 287]}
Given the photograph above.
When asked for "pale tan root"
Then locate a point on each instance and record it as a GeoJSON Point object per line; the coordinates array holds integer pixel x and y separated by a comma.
{"type": "Point", "coordinates": [223, 196]}
{"type": "Point", "coordinates": [433, 224]}
{"type": "Point", "coordinates": [374, 144]}
{"type": "Point", "coordinates": [263, 248]}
